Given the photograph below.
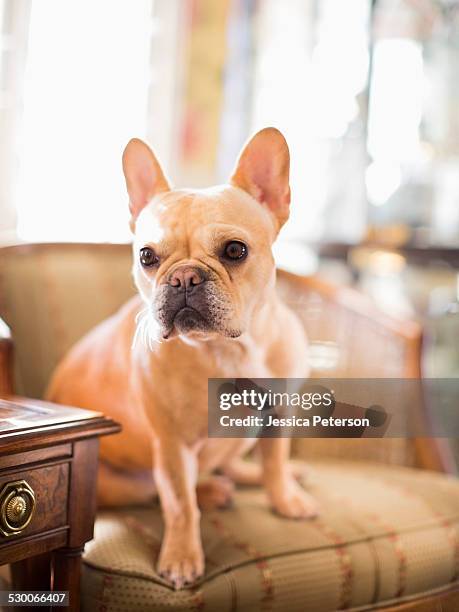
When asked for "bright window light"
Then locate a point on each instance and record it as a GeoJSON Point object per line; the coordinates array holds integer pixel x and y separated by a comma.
{"type": "Point", "coordinates": [382, 180]}
{"type": "Point", "coordinates": [86, 93]}
{"type": "Point", "coordinates": [311, 66]}
{"type": "Point", "coordinates": [396, 101]}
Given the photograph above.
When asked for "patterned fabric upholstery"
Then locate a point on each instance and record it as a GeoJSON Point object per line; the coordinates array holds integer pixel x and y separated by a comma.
{"type": "Point", "coordinates": [384, 535]}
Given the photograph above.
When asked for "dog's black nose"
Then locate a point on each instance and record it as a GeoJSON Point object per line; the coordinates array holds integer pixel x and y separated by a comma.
{"type": "Point", "coordinates": [186, 277]}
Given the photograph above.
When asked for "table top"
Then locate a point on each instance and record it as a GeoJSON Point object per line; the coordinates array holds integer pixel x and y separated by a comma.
{"type": "Point", "coordinates": [17, 413]}
{"type": "Point", "coordinates": [36, 421]}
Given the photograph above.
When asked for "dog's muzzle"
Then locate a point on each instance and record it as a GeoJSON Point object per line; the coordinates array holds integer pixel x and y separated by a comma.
{"type": "Point", "coordinates": [183, 301]}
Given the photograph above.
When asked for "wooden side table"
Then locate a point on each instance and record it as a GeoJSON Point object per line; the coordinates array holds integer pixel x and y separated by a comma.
{"type": "Point", "coordinates": [48, 471]}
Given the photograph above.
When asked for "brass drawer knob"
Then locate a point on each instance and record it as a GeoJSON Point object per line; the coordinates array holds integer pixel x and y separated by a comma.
{"type": "Point", "coordinates": [17, 506]}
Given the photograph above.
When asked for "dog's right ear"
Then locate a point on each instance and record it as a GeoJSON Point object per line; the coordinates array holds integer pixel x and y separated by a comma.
{"type": "Point", "coordinates": [143, 174]}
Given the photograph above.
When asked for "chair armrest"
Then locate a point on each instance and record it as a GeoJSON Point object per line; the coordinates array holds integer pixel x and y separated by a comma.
{"type": "Point", "coordinates": [371, 327]}
{"type": "Point", "coordinates": [6, 360]}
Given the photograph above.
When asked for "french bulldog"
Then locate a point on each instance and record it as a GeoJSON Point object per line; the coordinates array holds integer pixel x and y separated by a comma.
{"type": "Point", "coordinates": [207, 307]}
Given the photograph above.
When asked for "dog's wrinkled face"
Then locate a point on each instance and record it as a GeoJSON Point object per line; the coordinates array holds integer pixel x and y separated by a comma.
{"type": "Point", "coordinates": [202, 259]}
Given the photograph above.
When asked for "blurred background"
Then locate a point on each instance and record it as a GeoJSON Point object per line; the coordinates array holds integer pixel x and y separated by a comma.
{"type": "Point", "coordinates": [366, 92]}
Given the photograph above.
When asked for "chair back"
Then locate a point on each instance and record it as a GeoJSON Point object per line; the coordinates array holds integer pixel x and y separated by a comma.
{"type": "Point", "coordinates": [52, 294]}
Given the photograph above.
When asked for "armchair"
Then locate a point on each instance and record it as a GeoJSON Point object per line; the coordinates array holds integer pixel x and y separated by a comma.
{"type": "Point", "coordinates": [388, 535]}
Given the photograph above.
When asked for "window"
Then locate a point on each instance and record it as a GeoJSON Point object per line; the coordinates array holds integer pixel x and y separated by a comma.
{"type": "Point", "coordinates": [86, 91]}
{"type": "Point", "coordinates": [311, 79]}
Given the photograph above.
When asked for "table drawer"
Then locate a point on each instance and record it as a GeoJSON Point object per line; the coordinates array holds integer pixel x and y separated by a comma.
{"type": "Point", "coordinates": [33, 500]}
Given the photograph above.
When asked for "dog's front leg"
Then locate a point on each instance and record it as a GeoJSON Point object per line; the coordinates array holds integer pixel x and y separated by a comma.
{"type": "Point", "coordinates": [287, 497]}
{"type": "Point", "coordinates": [181, 560]}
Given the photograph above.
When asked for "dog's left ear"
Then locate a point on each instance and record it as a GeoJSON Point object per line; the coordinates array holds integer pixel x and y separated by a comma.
{"type": "Point", "coordinates": [143, 174]}
{"type": "Point", "coordinates": [263, 171]}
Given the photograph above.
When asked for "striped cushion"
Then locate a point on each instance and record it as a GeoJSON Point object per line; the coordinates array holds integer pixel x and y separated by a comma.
{"type": "Point", "coordinates": [385, 534]}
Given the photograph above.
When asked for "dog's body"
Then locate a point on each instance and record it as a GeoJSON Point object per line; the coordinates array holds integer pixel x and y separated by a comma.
{"type": "Point", "coordinates": [208, 308]}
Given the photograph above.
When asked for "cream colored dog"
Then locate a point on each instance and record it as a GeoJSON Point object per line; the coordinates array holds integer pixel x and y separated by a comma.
{"type": "Point", "coordinates": [208, 308]}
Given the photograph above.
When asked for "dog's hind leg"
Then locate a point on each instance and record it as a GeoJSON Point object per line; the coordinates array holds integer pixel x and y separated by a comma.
{"type": "Point", "coordinates": [250, 473]}
{"type": "Point", "coordinates": [243, 471]}
{"type": "Point", "coordinates": [120, 488]}
{"type": "Point", "coordinates": [215, 492]}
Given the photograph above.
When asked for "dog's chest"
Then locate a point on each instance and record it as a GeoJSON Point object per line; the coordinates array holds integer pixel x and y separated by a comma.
{"type": "Point", "coordinates": [184, 393]}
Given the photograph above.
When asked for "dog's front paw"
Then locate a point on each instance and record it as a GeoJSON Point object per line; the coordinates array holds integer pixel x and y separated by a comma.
{"type": "Point", "coordinates": [294, 502]}
{"type": "Point", "coordinates": [181, 566]}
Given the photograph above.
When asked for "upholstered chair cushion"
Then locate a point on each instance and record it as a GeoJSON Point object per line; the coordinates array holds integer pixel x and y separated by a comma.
{"type": "Point", "coordinates": [385, 535]}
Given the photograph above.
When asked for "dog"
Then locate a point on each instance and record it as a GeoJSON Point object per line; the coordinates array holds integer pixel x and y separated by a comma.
{"type": "Point", "coordinates": [206, 307]}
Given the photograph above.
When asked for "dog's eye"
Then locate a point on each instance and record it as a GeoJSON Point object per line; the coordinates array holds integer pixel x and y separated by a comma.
{"type": "Point", "coordinates": [235, 250]}
{"type": "Point", "coordinates": [148, 257]}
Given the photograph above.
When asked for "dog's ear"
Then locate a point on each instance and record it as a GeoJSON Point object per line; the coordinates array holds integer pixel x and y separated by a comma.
{"type": "Point", "coordinates": [263, 171]}
{"type": "Point", "coordinates": [143, 174]}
